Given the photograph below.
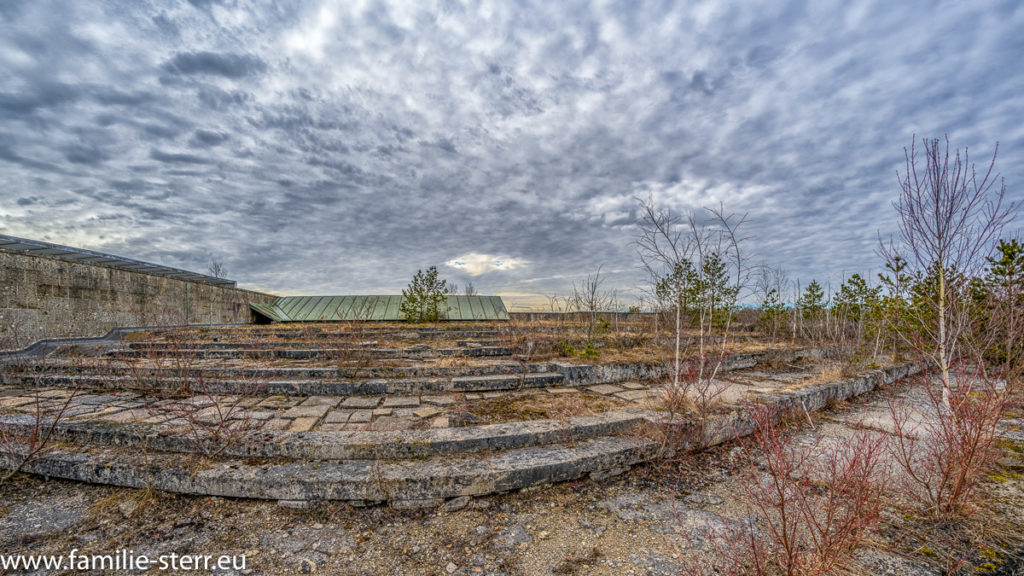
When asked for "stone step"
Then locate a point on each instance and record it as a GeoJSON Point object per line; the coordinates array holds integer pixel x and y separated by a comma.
{"type": "Point", "coordinates": [313, 353]}
{"type": "Point", "coordinates": [227, 371]}
{"type": "Point", "coordinates": [344, 445]}
{"type": "Point", "coordinates": [256, 344]}
{"type": "Point", "coordinates": [306, 333]}
{"type": "Point", "coordinates": [291, 387]}
{"type": "Point", "coordinates": [409, 483]}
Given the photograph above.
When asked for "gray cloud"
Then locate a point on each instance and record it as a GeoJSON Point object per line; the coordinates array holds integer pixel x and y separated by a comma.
{"type": "Point", "coordinates": [177, 158]}
{"type": "Point", "coordinates": [211, 63]}
{"type": "Point", "coordinates": [208, 138]}
{"type": "Point", "coordinates": [328, 148]}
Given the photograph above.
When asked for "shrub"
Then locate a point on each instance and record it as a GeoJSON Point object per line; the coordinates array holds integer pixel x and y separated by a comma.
{"type": "Point", "coordinates": [946, 453]}
{"type": "Point", "coordinates": [808, 508]}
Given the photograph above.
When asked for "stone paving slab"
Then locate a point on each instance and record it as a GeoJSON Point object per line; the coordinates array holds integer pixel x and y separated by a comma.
{"type": "Point", "coordinates": [606, 389]}
{"type": "Point", "coordinates": [560, 391]}
{"type": "Point", "coordinates": [636, 395]}
{"type": "Point", "coordinates": [303, 424]}
{"type": "Point", "coordinates": [383, 411]}
{"type": "Point", "coordinates": [329, 401]}
{"type": "Point", "coordinates": [633, 386]}
{"type": "Point", "coordinates": [360, 417]}
{"type": "Point", "coordinates": [426, 412]}
{"type": "Point", "coordinates": [337, 416]}
{"type": "Point", "coordinates": [157, 419]}
{"type": "Point", "coordinates": [55, 393]}
{"type": "Point", "coordinates": [273, 402]}
{"type": "Point", "coordinates": [15, 401]}
{"type": "Point", "coordinates": [98, 414]}
{"type": "Point", "coordinates": [277, 424]}
{"type": "Point", "coordinates": [211, 415]}
{"type": "Point", "coordinates": [360, 402]}
{"type": "Point", "coordinates": [401, 402]}
{"type": "Point", "coordinates": [78, 410]}
{"type": "Point", "coordinates": [316, 411]}
{"type": "Point", "coordinates": [392, 423]}
{"type": "Point", "coordinates": [124, 416]}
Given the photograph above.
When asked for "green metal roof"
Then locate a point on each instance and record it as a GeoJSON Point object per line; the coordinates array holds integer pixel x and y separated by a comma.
{"type": "Point", "coordinates": [336, 308]}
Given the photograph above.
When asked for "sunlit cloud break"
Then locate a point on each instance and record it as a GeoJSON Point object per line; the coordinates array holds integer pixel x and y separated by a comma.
{"type": "Point", "coordinates": [476, 264]}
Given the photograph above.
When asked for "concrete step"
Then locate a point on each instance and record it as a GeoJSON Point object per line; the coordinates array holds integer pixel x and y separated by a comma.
{"type": "Point", "coordinates": [327, 333]}
{"type": "Point", "coordinates": [342, 445]}
{"type": "Point", "coordinates": [289, 387]}
{"type": "Point", "coordinates": [313, 353]}
{"type": "Point", "coordinates": [354, 345]}
{"type": "Point", "coordinates": [410, 483]}
{"type": "Point", "coordinates": [266, 372]}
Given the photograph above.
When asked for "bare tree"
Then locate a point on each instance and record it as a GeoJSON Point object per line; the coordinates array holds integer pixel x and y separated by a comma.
{"type": "Point", "coordinates": [949, 219]}
{"type": "Point", "coordinates": [663, 250]}
{"type": "Point", "coordinates": [771, 284]}
{"type": "Point", "coordinates": [700, 262]}
{"type": "Point", "coordinates": [469, 289]}
{"type": "Point", "coordinates": [217, 269]}
{"type": "Point", "coordinates": [555, 302]}
{"type": "Point", "coordinates": [591, 297]}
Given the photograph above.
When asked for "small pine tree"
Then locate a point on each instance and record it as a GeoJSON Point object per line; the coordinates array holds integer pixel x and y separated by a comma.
{"type": "Point", "coordinates": [773, 311]}
{"type": "Point", "coordinates": [1008, 269]}
{"type": "Point", "coordinates": [426, 298]}
{"type": "Point", "coordinates": [812, 302]}
{"type": "Point", "coordinates": [716, 296]}
{"type": "Point", "coordinates": [679, 287]}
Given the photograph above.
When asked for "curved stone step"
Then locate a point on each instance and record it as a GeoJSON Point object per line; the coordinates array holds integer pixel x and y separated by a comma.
{"type": "Point", "coordinates": [256, 344]}
{"type": "Point", "coordinates": [497, 367]}
{"type": "Point", "coordinates": [423, 482]}
{"type": "Point", "coordinates": [314, 353]}
{"type": "Point", "coordinates": [294, 387]}
{"type": "Point", "coordinates": [347, 445]}
{"type": "Point", "coordinates": [403, 333]}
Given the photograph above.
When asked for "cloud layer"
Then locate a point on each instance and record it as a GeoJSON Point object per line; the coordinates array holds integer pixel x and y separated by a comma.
{"type": "Point", "coordinates": [337, 147]}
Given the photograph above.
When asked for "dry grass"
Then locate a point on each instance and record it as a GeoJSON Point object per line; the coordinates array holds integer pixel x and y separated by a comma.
{"type": "Point", "coordinates": [539, 406]}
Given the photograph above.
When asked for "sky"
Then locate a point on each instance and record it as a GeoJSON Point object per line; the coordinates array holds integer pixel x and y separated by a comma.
{"type": "Point", "coordinates": [336, 147]}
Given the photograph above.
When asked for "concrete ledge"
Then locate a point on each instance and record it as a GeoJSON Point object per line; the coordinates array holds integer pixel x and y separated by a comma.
{"type": "Point", "coordinates": [351, 445]}
{"type": "Point", "coordinates": [304, 387]}
{"type": "Point", "coordinates": [320, 353]}
{"type": "Point", "coordinates": [355, 480]}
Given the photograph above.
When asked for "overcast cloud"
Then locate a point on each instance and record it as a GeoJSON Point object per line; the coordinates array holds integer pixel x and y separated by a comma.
{"type": "Point", "coordinates": [336, 147]}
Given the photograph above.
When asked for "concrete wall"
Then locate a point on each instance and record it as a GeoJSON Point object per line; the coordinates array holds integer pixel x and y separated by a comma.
{"type": "Point", "coordinates": [580, 316]}
{"type": "Point", "coordinates": [47, 298]}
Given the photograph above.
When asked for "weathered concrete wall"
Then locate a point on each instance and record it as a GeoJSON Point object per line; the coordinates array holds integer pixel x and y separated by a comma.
{"type": "Point", "coordinates": [581, 316]}
{"type": "Point", "coordinates": [48, 298]}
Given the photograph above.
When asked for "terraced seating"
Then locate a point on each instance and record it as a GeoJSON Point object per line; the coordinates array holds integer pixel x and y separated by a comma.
{"type": "Point", "coordinates": [405, 421]}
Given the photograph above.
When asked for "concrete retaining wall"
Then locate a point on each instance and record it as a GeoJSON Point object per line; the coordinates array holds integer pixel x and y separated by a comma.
{"type": "Point", "coordinates": [581, 316]}
{"type": "Point", "coordinates": [48, 298]}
